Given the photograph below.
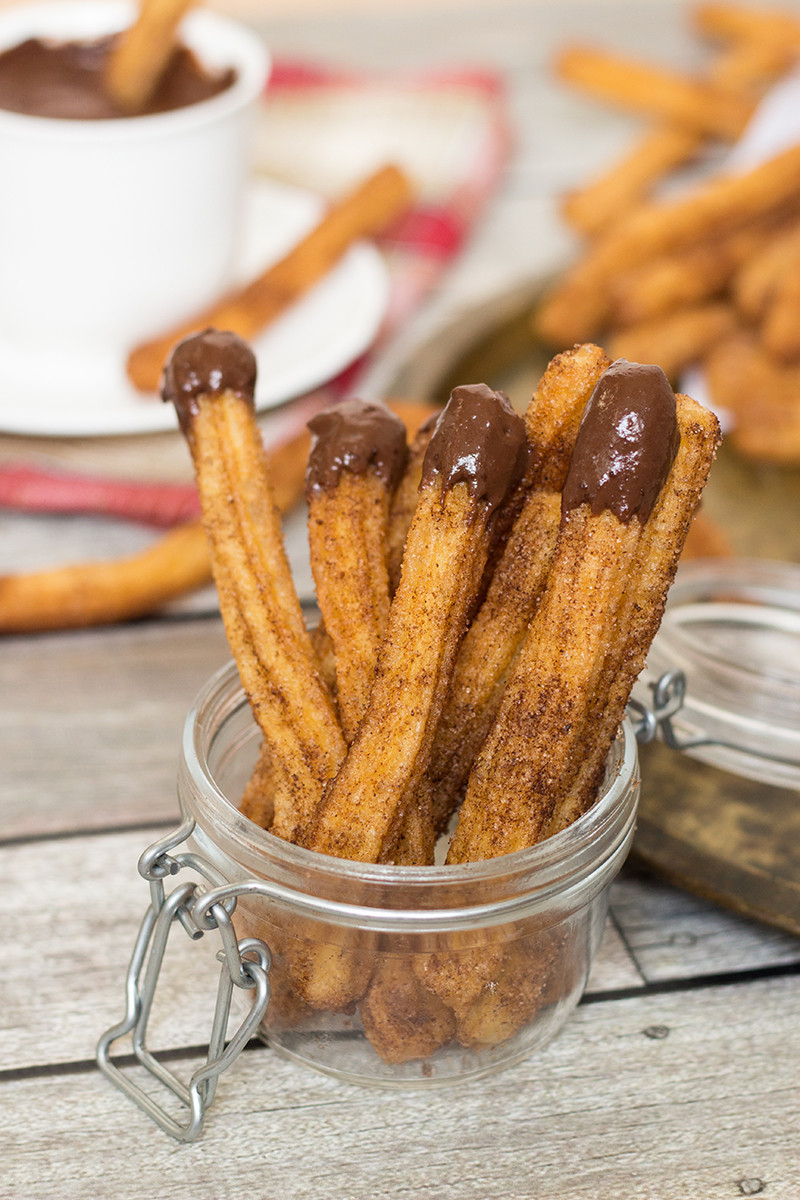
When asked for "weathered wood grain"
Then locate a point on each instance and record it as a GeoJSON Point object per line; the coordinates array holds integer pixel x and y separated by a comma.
{"type": "Point", "coordinates": [91, 723]}
{"type": "Point", "coordinates": [655, 1097]}
{"type": "Point", "coordinates": [673, 935]}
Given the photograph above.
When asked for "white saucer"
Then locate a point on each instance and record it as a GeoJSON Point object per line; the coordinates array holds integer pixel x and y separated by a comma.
{"type": "Point", "coordinates": [309, 344]}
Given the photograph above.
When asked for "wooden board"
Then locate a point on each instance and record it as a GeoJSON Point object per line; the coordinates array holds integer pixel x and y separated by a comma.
{"type": "Point", "coordinates": [724, 838]}
{"type": "Point", "coordinates": [650, 1097]}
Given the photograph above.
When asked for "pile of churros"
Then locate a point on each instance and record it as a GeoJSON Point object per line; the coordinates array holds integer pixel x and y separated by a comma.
{"type": "Point", "coordinates": [710, 274]}
{"type": "Point", "coordinates": [487, 595]}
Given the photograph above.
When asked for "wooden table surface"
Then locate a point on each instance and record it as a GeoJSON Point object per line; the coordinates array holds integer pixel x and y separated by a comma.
{"type": "Point", "coordinates": [679, 1074]}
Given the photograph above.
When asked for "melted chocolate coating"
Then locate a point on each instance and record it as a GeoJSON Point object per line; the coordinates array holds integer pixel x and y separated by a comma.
{"type": "Point", "coordinates": [67, 80]}
{"type": "Point", "coordinates": [207, 364]}
{"type": "Point", "coordinates": [479, 440]}
{"type": "Point", "coordinates": [355, 436]}
{"type": "Point", "coordinates": [626, 443]}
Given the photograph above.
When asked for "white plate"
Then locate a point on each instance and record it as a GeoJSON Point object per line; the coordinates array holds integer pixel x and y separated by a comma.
{"type": "Point", "coordinates": [318, 337]}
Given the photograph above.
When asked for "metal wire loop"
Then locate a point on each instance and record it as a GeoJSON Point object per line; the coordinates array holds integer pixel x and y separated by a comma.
{"type": "Point", "coordinates": [245, 964]}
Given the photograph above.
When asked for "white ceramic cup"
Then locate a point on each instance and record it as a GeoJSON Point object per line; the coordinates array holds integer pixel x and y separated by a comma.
{"type": "Point", "coordinates": [112, 230]}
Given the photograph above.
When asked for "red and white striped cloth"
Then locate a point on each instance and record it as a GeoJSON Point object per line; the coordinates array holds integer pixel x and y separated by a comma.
{"type": "Point", "coordinates": [322, 129]}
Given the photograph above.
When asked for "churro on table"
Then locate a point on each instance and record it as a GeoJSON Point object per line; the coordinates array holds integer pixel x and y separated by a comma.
{"type": "Point", "coordinates": [366, 210]}
{"type": "Point", "coordinates": [487, 596]}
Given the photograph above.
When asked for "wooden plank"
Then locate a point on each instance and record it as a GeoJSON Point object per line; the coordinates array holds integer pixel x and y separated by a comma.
{"type": "Point", "coordinates": [655, 1097]}
{"type": "Point", "coordinates": [673, 935]}
{"type": "Point", "coordinates": [75, 904]}
{"type": "Point", "coordinates": [92, 722]}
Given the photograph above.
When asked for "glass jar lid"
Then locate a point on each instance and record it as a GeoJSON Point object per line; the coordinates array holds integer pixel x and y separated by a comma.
{"type": "Point", "coordinates": [732, 628]}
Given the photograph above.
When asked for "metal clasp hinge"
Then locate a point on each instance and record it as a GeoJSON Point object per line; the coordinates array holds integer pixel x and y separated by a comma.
{"type": "Point", "coordinates": [669, 693]}
{"type": "Point", "coordinates": [245, 964]}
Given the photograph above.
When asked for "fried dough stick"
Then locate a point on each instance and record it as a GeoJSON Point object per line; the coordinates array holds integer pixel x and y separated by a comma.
{"type": "Point", "coordinates": [357, 456]}
{"type": "Point", "coordinates": [677, 339]}
{"type": "Point", "coordinates": [102, 593]}
{"type": "Point", "coordinates": [256, 802]}
{"type": "Point", "coordinates": [210, 378]}
{"type": "Point", "coordinates": [475, 456]}
{"type": "Point", "coordinates": [692, 103]}
{"type": "Point", "coordinates": [498, 629]}
{"type": "Point", "coordinates": [581, 305]}
{"type": "Point", "coordinates": [747, 23]}
{"type": "Point", "coordinates": [662, 539]}
{"type": "Point", "coordinates": [745, 66]}
{"type": "Point", "coordinates": [142, 51]}
{"type": "Point", "coordinates": [106, 591]}
{"type": "Point", "coordinates": [623, 454]}
{"type": "Point", "coordinates": [401, 1017]}
{"type": "Point", "coordinates": [763, 395]}
{"type": "Point", "coordinates": [404, 501]}
{"type": "Point", "coordinates": [364, 212]}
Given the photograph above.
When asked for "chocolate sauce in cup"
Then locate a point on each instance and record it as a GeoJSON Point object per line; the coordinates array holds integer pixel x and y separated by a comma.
{"type": "Point", "coordinates": [43, 77]}
{"type": "Point", "coordinates": [113, 229]}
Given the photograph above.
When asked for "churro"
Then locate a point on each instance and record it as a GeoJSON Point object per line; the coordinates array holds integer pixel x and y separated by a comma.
{"type": "Point", "coordinates": [357, 457]}
{"type": "Point", "coordinates": [142, 51]}
{"type": "Point", "coordinates": [103, 593]}
{"type": "Point", "coordinates": [364, 212]}
{"type": "Point", "coordinates": [498, 628]}
{"type": "Point", "coordinates": [476, 454]}
{"type": "Point", "coordinates": [740, 22]}
{"type": "Point", "coordinates": [661, 542]}
{"type": "Point", "coordinates": [745, 67]}
{"type": "Point", "coordinates": [579, 306]}
{"type": "Point", "coordinates": [402, 1018]}
{"type": "Point", "coordinates": [404, 501]}
{"type": "Point", "coordinates": [677, 339]}
{"type": "Point", "coordinates": [210, 378]}
{"type": "Point", "coordinates": [668, 280]}
{"type": "Point", "coordinates": [692, 103]}
{"type": "Point", "coordinates": [624, 452]}
{"type": "Point", "coordinates": [598, 205]}
{"type": "Point", "coordinates": [763, 395]}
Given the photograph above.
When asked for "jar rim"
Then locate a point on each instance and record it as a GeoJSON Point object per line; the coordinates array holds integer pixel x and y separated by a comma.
{"type": "Point", "coordinates": [557, 863]}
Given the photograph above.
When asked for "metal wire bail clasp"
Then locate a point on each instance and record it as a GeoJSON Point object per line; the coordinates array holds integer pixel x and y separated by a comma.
{"type": "Point", "coordinates": [669, 693]}
{"type": "Point", "coordinates": [245, 964]}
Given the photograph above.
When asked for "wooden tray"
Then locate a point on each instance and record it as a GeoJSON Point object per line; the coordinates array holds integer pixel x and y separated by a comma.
{"type": "Point", "coordinates": [721, 837]}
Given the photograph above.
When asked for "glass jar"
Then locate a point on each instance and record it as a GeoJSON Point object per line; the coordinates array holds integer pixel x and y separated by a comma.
{"type": "Point", "coordinates": [732, 628]}
{"type": "Point", "coordinates": [719, 812]}
{"type": "Point", "coordinates": [405, 976]}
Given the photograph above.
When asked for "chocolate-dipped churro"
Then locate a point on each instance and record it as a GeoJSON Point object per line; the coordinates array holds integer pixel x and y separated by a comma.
{"type": "Point", "coordinates": [210, 378]}
{"type": "Point", "coordinates": [476, 454]}
{"type": "Point", "coordinates": [624, 453]}
{"type": "Point", "coordinates": [357, 457]}
{"type": "Point", "coordinates": [498, 628]}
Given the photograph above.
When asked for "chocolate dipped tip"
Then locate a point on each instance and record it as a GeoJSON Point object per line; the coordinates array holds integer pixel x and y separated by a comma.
{"type": "Point", "coordinates": [626, 443]}
{"type": "Point", "coordinates": [355, 437]}
{"type": "Point", "coordinates": [207, 364]}
{"type": "Point", "coordinates": [478, 440]}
